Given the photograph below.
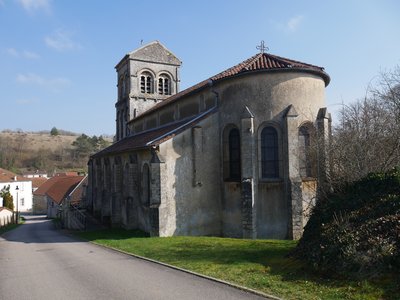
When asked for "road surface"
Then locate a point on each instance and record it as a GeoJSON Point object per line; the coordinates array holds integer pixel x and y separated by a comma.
{"type": "Point", "coordinates": [39, 262]}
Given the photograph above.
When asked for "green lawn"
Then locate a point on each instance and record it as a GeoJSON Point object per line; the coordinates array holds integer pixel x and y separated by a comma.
{"type": "Point", "coordinates": [258, 264]}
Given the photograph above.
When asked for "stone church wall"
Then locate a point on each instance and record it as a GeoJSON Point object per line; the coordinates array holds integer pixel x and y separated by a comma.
{"type": "Point", "coordinates": [268, 97]}
{"type": "Point", "coordinates": [190, 203]}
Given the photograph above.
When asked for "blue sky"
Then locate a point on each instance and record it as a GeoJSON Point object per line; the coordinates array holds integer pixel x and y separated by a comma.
{"type": "Point", "coordinates": [57, 57]}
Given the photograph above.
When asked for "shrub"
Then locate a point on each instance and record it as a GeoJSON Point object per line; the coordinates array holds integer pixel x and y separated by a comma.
{"type": "Point", "coordinates": [356, 230]}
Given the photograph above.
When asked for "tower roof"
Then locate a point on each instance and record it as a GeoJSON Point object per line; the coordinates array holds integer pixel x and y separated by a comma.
{"type": "Point", "coordinates": [153, 52]}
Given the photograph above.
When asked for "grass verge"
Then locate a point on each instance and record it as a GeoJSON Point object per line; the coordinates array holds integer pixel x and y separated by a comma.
{"type": "Point", "coordinates": [262, 265]}
{"type": "Point", "coordinates": [8, 227]}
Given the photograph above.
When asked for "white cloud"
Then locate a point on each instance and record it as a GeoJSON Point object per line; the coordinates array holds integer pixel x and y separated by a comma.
{"type": "Point", "coordinates": [30, 55]}
{"type": "Point", "coordinates": [34, 5]}
{"type": "Point", "coordinates": [25, 54]}
{"type": "Point", "coordinates": [54, 84]}
{"type": "Point", "coordinates": [12, 52]}
{"type": "Point", "coordinates": [61, 40]}
{"type": "Point", "coordinates": [293, 24]}
{"type": "Point", "coordinates": [25, 101]}
{"type": "Point", "coordinates": [290, 26]}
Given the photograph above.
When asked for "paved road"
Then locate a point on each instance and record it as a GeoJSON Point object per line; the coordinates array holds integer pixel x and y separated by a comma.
{"type": "Point", "coordinates": [39, 262]}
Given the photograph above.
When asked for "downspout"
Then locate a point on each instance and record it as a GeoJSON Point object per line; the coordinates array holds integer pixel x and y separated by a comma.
{"type": "Point", "coordinates": [217, 102]}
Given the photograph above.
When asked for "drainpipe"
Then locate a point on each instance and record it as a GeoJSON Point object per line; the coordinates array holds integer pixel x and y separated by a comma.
{"type": "Point", "coordinates": [217, 100]}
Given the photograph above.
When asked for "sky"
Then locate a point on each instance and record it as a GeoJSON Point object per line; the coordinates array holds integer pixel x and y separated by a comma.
{"type": "Point", "coordinates": [57, 57]}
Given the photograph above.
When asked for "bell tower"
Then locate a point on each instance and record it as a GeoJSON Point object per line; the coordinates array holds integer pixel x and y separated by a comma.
{"type": "Point", "coordinates": [145, 77]}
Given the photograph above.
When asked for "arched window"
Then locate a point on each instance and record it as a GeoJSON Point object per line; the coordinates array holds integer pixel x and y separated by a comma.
{"type": "Point", "coordinates": [269, 153]}
{"type": "Point", "coordinates": [305, 156]}
{"type": "Point", "coordinates": [234, 154]}
{"type": "Point", "coordinates": [146, 83]}
{"type": "Point", "coordinates": [164, 85]}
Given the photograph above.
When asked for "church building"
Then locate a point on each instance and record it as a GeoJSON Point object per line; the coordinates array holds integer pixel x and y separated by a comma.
{"type": "Point", "coordinates": [233, 155]}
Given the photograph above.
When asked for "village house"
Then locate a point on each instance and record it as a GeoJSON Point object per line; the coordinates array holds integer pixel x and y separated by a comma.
{"type": "Point", "coordinates": [20, 190]}
{"type": "Point", "coordinates": [230, 156]}
{"type": "Point", "coordinates": [58, 192]}
{"type": "Point", "coordinates": [72, 213]}
{"type": "Point", "coordinates": [40, 197]}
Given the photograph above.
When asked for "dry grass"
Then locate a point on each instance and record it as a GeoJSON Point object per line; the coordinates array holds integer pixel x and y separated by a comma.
{"type": "Point", "coordinates": [37, 141]}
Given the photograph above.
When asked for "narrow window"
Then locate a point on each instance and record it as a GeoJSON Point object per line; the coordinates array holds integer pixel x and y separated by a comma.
{"type": "Point", "coordinates": [160, 86]}
{"type": "Point", "coordinates": [142, 84]}
{"type": "Point", "coordinates": [269, 153]}
{"type": "Point", "coordinates": [146, 83]}
{"type": "Point", "coordinates": [234, 154]}
{"type": "Point", "coordinates": [167, 90]}
{"type": "Point", "coordinates": [164, 85]}
{"type": "Point", "coordinates": [305, 163]}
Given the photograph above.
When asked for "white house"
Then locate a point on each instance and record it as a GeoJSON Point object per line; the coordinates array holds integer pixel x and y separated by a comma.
{"type": "Point", "coordinates": [20, 189]}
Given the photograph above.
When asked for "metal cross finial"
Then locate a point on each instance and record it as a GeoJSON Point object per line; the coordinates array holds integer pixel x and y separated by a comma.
{"type": "Point", "coordinates": [262, 47]}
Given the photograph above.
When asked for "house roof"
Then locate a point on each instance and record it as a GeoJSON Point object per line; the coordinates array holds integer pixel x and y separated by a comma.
{"type": "Point", "coordinates": [62, 187]}
{"type": "Point", "coordinates": [37, 181]}
{"type": "Point", "coordinates": [257, 63]}
{"type": "Point", "coordinates": [8, 176]}
{"type": "Point", "coordinates": [153, 137]}
{"type": "Point", "coordinates": [45, 186]}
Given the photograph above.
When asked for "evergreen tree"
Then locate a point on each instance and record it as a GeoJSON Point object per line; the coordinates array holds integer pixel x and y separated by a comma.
{"type": "Point", "coordinates": [8, 200]}
{"type": "Point", "coordinates": [54, 131]}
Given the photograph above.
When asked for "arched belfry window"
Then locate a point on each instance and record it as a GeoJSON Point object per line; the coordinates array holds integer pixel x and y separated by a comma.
{"type": "Point", "coordinates": [164, 85]}
{"type": "Point", "coordinates": [146, 83]}
{"type": "Point", "coordinates": [269, 153]}
{"type": "Point", "coordinates": [306, 160]}
{"type": "Point", "coordinates": [234, 154]}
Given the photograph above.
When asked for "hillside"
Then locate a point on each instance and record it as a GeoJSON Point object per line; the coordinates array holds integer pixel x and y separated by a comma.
{"type": "Point", "coordinates": [21, 151]}
{"type": "Point", "coordinates": [37, 141]}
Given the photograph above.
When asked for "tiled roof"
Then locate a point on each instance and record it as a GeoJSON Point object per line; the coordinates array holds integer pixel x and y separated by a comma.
{"type": "Point", "coordinates": [8, 176]}
{"type": "Point", "coordinates": [258, 62]}
{"type": "Point", "coordinates": [266, 61]}
{"type": "Point", "coordinates": [152, 137]}
{"type": "Point", "coordinates": [37, 181]}
{"type": "Point", "coordinates": [43, 188]}
{"type": "Point", "coordinates": [64, 185]}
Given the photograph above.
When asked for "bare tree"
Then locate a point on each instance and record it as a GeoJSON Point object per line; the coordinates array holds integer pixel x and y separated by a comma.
{"type": "Point", "coordinates": [367, 138]}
